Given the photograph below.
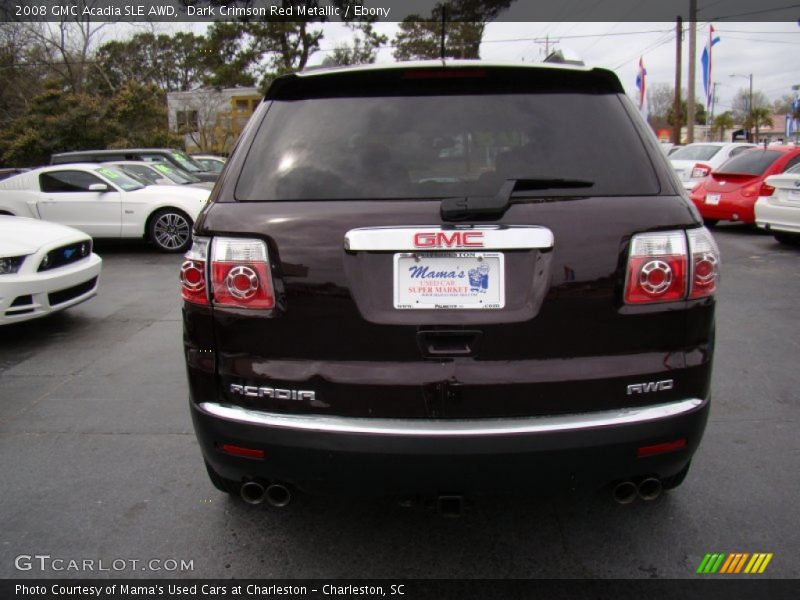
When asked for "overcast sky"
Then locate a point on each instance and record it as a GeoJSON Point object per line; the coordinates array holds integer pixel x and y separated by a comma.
{"type": "Point", "coordinates": [767, 50]}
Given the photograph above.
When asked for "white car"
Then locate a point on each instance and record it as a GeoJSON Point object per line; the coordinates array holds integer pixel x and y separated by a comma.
{"type": "Point", "coordinates": [105, 202]}
{"type": "Point", "coordinates": [779, 213]}
{"type": "Point", "coordinates": [210, 161]}
{"type": "Point", "coordinates": [694, 162]}
{"type": "Point", "coordinates": [44, 268]}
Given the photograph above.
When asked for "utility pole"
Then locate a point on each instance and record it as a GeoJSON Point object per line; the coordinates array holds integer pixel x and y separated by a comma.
{"type": "Point", "coordinates": [676, 107]}
{"type": "Point", "coordinates": [692, 61]}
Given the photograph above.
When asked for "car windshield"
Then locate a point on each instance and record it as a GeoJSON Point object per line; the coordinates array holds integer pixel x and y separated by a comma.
{"type": "Point", "coordinates": [699, 152]}
{"type": "Point", "coordinates": [175, 175]}
{"type": "Point", "coordinates": [751, 162]}
{"type": "Point", "coordinates": [186, 162]}
{"type": "Point", "coordinates": [121, 179]}
{"type": "Point", "coordinates": [436, 146]}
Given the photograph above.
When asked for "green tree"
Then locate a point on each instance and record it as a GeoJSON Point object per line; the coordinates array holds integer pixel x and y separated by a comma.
{"type": "Point", "coordinates": [55, 121]}
{"type": "Point", "coordinates": [362, 49]}
{"type": "Point", "coordinates": [699, 113]}
{"type": "Point", "coordinates": [137, 116]}
{"type": "Point", "coordinates": [228, 55]}
{"type": "Point", "coordinates": [465, 21]}
{"type": "Point", "coordinates": [722, 123]}
{"type": "Point", "coordinates": [760, 116]}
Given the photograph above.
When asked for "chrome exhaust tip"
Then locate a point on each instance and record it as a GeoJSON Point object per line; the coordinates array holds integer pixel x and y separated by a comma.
{"type": "Point", "coordinates": [252, 492]}
{"type": "Point", "coordinates": [624, 492]}
{"type": "Point", "coordinates": [278, 495]}
{"type": "Point", "coordinates": [649, 488]}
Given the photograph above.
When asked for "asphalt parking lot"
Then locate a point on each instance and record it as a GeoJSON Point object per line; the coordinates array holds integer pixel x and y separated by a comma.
{"type": "Point", "coordinates": [99, 460]}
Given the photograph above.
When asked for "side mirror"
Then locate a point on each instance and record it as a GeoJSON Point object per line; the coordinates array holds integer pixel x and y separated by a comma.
{"type": "Point", "coordinates": [98, 187]}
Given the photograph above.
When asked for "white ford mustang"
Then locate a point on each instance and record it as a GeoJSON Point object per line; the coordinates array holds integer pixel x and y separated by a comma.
{"type": "Point", "coordinates": [105, 202]}
{"type": "Point", "coordinates": [44, 268]}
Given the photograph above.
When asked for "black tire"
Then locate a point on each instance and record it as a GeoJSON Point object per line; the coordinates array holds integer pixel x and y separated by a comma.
{"type": "Point", "coordinates": [223, 485]}
{"type": "Point", "coordinates": [673, 481]}
{"type": "Point", "coordinates": [790, 239]}
{"type": "Point", "coordinates": [6, 213]}
{"type": "Point", "coordinates": [710, 222]}
{"type": "Point", "coordinates": [170, 230]}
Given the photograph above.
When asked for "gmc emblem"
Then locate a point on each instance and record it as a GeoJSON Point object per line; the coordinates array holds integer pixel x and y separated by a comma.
{"type": "Point", "coordinates": [453, 239]}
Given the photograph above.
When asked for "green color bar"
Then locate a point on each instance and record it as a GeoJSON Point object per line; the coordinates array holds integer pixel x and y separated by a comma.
{"type": "Point", "coordinates": [701, 568]}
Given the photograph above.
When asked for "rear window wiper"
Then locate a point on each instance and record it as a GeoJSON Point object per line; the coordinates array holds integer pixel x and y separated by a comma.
{"type": "Point", "coordinates": [458, 209]}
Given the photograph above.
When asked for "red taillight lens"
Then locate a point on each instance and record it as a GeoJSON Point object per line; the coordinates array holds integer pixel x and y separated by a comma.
{"type": "Point", "coordinates": [766, 190]}
{"type": "Point", "coordinates": [705, 263]}
{"type": "Point", "coordinates": [240, 274]}
{"type": "Point", "coordinates": [193, 273]}
{"type": "Point", "coordinates": [656, 268]}
{"type": "Point", "coordinates": [700, 170]}
{"type": "Point", "coordinates": [751, 191]}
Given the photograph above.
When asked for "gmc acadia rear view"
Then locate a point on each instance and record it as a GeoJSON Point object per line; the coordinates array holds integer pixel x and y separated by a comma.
{"type": "Point", "coordinates": [442, 279]}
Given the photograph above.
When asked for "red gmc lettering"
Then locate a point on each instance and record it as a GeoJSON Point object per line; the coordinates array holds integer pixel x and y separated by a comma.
{"type": "Point", "coordinates": [458, 239]}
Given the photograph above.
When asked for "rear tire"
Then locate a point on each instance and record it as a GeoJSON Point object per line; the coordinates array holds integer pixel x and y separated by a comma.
{"type": "Point", "coordinates": [170, 230]}
{"type": "Point", "coordinates": [223, 485]}
{"type": "Point", "coordinates": [710, 222]}
{"type": "Point", "coordinates": [790, 239]}
{"type": "Point", "coordinates": [673, 481]}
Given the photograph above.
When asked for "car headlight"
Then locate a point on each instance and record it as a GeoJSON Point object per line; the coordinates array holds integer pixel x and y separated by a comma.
{"type": "Point", "coordinates": [10, 264]}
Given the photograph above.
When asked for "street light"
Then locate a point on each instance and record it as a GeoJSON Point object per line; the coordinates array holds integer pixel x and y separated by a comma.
{"type": "Point", "coordinates": [749, 104]}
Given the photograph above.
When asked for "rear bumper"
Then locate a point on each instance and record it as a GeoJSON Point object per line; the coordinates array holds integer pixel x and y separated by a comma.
{"type": "Point", "coordinates": [730, 208]}
{"type": "Point", "coordinates": [574, 452]}
{"type": "Point", "coordinates": [777, 217]}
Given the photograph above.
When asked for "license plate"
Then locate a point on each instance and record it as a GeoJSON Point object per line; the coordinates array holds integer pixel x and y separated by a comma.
{"type": "Point", "coordinates": [712, 199]}
{"type": "Point", "coordinates": [449, 280]}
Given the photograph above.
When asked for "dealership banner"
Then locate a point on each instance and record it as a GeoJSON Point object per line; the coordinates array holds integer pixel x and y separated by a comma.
{"type": "Point", "coordinates": [385, 10]}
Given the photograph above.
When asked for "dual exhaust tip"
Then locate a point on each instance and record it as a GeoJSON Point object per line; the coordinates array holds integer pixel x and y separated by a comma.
{"type": "Point", "coordinates": [626, 492]}
{"type": "Point", "coordinates": [275, 494]}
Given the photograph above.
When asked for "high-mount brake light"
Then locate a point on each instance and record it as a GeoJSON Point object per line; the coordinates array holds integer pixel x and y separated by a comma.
{"type": "Point", "coordinates": [193, 272]}
{"type": "Point", "coordinates": [700, 170]}
{"type": "Point", "coordinates": [240, 273]}
{"type": "Point", "coordinates": [657, 266]}
{"type": "Point", "coordinates": [704, 263]}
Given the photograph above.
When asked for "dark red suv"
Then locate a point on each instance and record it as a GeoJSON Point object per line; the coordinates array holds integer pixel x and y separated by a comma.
{"type": "Point", "coordinates": [448, 278]}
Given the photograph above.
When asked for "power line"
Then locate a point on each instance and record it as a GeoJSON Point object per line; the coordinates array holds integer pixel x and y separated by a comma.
{"type": "Point", "coordinates": [755, 12]}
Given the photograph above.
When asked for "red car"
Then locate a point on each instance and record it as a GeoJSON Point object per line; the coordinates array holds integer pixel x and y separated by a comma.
{"type": "Point", "coordinates": [730, 192]}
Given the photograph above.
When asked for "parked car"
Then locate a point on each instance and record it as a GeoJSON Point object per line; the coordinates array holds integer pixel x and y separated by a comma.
{"type": "Point", "coordinates": [6, 172]}
{"type": "Point", "coordinates": [105, 203]}
{"type": "Point", "coordinates": [44, 268]}
{"type": "Point", "coordinates": [694, 162]}
{"type": "Point", "coordinates": [210, 162]}
{"type": "Point", "coordinates": [177, 158]}
{"type": "Point", "coordinates": [159, 173]}
{"type": "Point", "coordinates": [730, 192]}
{"type": "Point", "coordinates": [778, 206]}
{"type": "Point", "coordinates": [364, 312]}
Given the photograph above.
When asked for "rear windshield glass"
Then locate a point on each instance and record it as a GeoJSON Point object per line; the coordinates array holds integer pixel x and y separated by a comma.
{"type": "Point", "coordinates": [752, 162]}
{"type": "Point", "coordinates": [444, 146]}
{"type": "Point", "coordinates": [703, 152]}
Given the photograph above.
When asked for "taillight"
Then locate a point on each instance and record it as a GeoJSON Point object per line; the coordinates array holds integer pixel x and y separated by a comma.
{"type": "Point", "coordinates": [766, 190]}
{"type": "Point", "coordinates": [660, 269]}
{"type": "Point", "coordinates": [656, 268]}
{"type": "Point", "coordinates": [240, 273]}
{"type": "Point", "coordinates": [751, 190]}
{"type": "Point", "coordinates": [705, 263]}
{"type": "Point", "coordinates": [700, 170]}
{"type": "Point", "coordinates": [193, 272]}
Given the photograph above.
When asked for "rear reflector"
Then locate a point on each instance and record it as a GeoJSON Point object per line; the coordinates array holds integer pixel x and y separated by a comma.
{"type": "Point", "coordinates": [661, 448]}
{"type": "Point", "coordinates": [241, 451]}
